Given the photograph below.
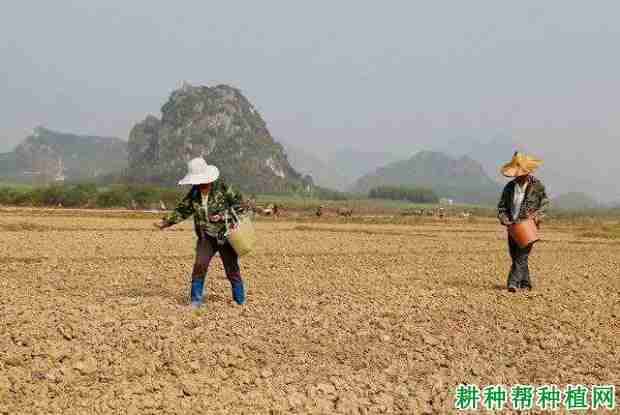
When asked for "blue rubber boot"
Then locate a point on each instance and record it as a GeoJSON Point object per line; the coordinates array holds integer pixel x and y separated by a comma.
{"type": "Point", "coordinates": [238, 292]}
{"type": "Point", "coordinates": [196, 294]}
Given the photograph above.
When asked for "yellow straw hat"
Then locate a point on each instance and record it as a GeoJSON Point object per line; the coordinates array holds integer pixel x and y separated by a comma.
{"type": "Point", "coordinates": [520, 165]}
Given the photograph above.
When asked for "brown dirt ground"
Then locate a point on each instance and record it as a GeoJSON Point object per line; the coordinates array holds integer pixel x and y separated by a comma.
{"type": "Point", "coordinates": [341, 318]}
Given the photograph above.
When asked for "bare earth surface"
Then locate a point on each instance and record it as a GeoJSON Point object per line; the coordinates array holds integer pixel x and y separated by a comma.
{"type": "Point", "coordinates": [345, 319]}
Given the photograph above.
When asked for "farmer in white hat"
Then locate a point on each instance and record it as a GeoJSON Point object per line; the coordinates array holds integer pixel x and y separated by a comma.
{"type": "Point", "coordinates": [210, 201]}
{"type": "Point", "coordinates": [523, 198]}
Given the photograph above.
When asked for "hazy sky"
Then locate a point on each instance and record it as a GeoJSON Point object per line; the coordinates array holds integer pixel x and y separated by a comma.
{"type": "Point", "coordinates": [392, 75]}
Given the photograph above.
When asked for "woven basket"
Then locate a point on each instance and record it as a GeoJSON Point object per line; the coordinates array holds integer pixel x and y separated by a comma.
{"type": "Point", "coordinates": [241, 235]}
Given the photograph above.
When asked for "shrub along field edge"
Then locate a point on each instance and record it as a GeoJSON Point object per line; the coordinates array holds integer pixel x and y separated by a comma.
{"type": "Point", "coordinates": [90, 195]}
{"type": "Point", "coordinates": [87, 195]}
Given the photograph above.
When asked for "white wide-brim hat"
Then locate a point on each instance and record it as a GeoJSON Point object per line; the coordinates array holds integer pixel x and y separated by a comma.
{"type": "Point", "coordinates": [199, 172]}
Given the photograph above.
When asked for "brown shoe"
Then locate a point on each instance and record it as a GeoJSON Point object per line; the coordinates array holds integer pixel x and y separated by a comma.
{"type": "Point", "coordinates": [512, 289]}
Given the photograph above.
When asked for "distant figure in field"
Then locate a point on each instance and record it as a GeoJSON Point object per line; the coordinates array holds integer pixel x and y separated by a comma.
{"type": "Point", "coordinates": [209, 201]}
{"type": "Point", "coordinates": [252, 204]}
{"type": "Point", "coordinates": [345, 212]}
{"type": "Point", "coordinates": [523, 198]}
{"type": "Point", "coordinates": [268, 211]}
{"type": "Point", "coordinates": [442, 213]}
{"type": "Point", "coordinates": [319, 211]}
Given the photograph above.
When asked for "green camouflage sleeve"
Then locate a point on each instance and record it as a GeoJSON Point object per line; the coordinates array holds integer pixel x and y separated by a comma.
{"type": "Point", "coordinates": [543, 201]}
{"type": "Point", "coordinates": [234, 199]}
{"type": "Point", "coordinates": [184, 210]}
{"type": "Point", "coordinates": [502, 207]}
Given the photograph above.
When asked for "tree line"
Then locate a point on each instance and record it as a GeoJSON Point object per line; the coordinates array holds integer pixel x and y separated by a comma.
{"type": "Point", "coordinates": [90, 195]}
{"type": "Point", "coordinates": [409, 194]}
{"type": "Point", "coordinates": [95, 195]}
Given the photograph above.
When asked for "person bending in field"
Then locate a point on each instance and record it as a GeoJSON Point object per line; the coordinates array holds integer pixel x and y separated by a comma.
{"type": "Point", "coordinates": [210, 201]}
{"type": "Point", "coordinates": [523, 198]}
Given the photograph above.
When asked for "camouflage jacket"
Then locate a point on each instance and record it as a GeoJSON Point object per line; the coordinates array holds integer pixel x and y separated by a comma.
{"type": "Point", "coordinates": [222, 198]}
{"type": "Point", "coordinates": [534, 204]}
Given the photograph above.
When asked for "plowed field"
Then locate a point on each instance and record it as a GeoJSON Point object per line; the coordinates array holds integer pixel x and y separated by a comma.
{"type": "Point", "coordinates": [340, 318]}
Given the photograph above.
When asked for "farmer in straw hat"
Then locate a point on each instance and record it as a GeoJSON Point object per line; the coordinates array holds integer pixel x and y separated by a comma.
{"type": "Point", "coordinates": [523, 198]}
{"type": "Point", "coordinates": [210, 201]}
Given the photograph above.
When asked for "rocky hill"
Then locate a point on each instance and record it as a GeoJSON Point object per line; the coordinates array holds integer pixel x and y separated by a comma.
{"type": "Point", "coordinates": [491, 154]}
{"type": "Point", "coordinates": [462, 179]}
{"type": "Point", "coordinates": [219, 124]}
{"type": "Point", "coordinates": [48, 155]}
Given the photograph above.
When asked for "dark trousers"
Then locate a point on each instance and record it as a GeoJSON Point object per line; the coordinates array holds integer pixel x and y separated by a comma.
{"type": "Point", "coordinates": [206, 248]}
{"type": "Point", "coordinates": [519, 276]}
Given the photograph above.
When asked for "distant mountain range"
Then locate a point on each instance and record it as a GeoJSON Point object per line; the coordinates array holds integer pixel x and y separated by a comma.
{"type": "Point", "coordinates": [217, 123]}
{"type": "Point", "coordinates": [559, 176]}
{"type": "Point", "coordinates": [48, 155]}
{"type": "Point", "coordinates": [462, 179]}
{"type": "Point", "coordinates": [220, 124]}
{"type": "Point", "coordinates": [336, 170]}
